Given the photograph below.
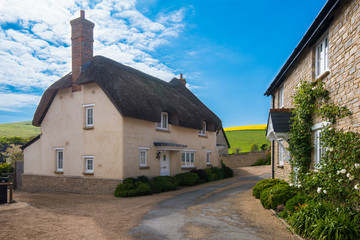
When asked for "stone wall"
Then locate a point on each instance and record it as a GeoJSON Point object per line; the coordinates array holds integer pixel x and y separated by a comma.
{"type": "Point", "coordinates": [343, 78]}
{"type": "Point", "coordinates": [36, 183]}
{"type": "Point", "coordinates": [242, 159]}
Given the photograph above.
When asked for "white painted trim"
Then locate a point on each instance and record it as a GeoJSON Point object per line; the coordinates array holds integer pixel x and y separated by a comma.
{"type": "Point", "coordinates": [189, 150]}
{"type": "Point", "coordinates": [87, 124]}
{"type": "Point", "coordinates": [143, 148]}
{"type": "Point", "coordinates": [88, 156]}
{"type": "Point", "coordinates": [162, 122]}
{"type": "Point", "coordinates": [88, 105]}
{"type": "Point", "coordinates": [209, 151]}
{"type": "Point", "coordinates": [146, 153]}
{"type": "Point", "coordinates": [320, 125]}
{"type": "Point", "coordinates": [58, 149]}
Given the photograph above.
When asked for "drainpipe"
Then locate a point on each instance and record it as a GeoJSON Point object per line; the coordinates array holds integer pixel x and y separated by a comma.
{"type": "Point", "coordinates": [272, 144]}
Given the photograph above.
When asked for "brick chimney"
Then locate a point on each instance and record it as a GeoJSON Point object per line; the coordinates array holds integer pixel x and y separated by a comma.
{"type": "Point", "coordinates": [182, 80]}
{"type": "Point", "coordinates": [82, 39]}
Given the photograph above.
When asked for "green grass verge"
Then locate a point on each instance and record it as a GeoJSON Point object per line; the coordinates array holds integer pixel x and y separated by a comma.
{"type": "Point", "coordinates": [19, 129]}
{"type": "Point", "coordinates": [244, 138]}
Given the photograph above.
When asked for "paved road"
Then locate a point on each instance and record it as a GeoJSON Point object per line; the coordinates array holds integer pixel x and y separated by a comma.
{"type": "Point", "coordinates": [205, 213]}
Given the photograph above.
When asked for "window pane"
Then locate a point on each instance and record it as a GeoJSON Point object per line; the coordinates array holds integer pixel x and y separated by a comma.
{"type": "Point", "coordinates": [183, 161]}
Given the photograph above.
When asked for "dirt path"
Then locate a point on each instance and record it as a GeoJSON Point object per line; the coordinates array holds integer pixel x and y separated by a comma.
{"type": "Point", "coordinates": [75, 216]}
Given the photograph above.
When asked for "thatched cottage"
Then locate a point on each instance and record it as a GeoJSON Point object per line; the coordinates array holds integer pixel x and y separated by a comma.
{"type": "Point", "coordinates": [105, 121]}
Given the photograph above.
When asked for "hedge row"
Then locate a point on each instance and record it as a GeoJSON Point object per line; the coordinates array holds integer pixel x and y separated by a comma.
{"type": "Point", "coordinates": [6, 168]}
{"type": "Point", "coordinates": [139, 186]}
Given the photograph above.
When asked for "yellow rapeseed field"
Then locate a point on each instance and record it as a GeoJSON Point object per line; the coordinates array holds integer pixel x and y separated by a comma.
{"type": "Point", "coordinates": [248, 127]}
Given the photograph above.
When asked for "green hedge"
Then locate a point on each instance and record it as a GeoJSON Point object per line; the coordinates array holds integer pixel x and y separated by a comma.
{"type": "Point", "coordinates": [227, 172]}
{"type": "Point", "coordinates": [264, 184]}
{"type": "Point", "coordinates": [132, 187]}
{"type": "Point", "coordinates": [277, 195]}
{"type": "Point", "coordinates": [163, 184]}
{"type": "Point", "coordinates": [187, 179]}
{"type": "Point", "coordinates": [6, 168]}
{"type": "Point", "coordinates": [203, 177]}
{"type": "Point", "coordinates": [214, 174]}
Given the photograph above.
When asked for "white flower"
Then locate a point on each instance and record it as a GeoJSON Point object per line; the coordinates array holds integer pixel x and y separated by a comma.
{"type": "Point", "coordinates": [337, 172]}
{"type": "Point", "coordinates": [348, 175]}
{"type": "Point", "coordinates": [351, 178]}
{"type": "Point", "coordinates": [357, 187]}
{"type": "Point", "coordinates": [299, 185]}
{"type": "Point", "coordinates": [291, 184]}
{"type": "Point", "coordinates": [343, 171]}
{"type": "Point", "coordinates": [319, 190]}
{"type": "Point", "coordinates": [357, 165]}
{"type": "Point", "coordinates": [331, 149]}
{"type": "Point", "coordinates": [316, 170]}
{"type": "Point", "coordinates": [324, 191]}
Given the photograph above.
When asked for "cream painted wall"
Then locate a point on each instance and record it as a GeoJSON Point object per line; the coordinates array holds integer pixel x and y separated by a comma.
{"type": "Point", "coordinates": [140, 133]}
{"type": "Point", "coordinates": [63, 127]}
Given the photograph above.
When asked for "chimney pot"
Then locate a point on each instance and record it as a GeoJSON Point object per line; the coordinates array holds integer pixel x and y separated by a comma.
{"type": "Point", "coordinates": [82, 13]}
{"type": "Point", "coordinates": [182, 80]}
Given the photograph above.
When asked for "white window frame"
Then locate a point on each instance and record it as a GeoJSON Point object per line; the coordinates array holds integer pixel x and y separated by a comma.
{"type": "Point", "coordinates": [208, 158]}
{"type": "Point", "coordinates": [202, 132]}
{"type": "Point", "coordinates": [318, 148]}
{"type": "Point", "coordinates": [143, 158]}
{"type": "Point", "coordinates": [59, 158]}
{"type": "Point", "coordinates": [87, 108]}
{"type": "Point", "coordinates": [87, 159]}
{"type": "Point", "coordinates": [188, 159]}
{"type": "Point", "coordinates": [322, 57]}
{"type": "Point", "coordinates": [281, 96]}
{"type": "Point", "coordinates": [281, 152]}
{"type": "Point", "coordinates": [164, 123]}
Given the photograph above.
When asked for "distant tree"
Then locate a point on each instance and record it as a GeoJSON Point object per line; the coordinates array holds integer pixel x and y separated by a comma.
{"type": "Point", "coordinates": [254, 147]}
{"type": "Point", "coordinates": [264, 147]}
{"type": "Point", "coordinates": [13, 153]}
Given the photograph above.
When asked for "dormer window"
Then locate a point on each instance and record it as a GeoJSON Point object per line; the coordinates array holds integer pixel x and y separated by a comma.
{"type": "Point", "coordinates": [202, 132]}
{"type": "Point", "coordinates": [163, 125]}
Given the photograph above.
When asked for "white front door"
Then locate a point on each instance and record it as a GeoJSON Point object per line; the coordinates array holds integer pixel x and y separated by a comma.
{"type": "Point", "coordinates": [165, 164]}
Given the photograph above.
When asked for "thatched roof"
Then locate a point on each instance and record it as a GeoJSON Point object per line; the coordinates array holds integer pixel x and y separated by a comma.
{"type": "Point", "coordinates": [137, 95]}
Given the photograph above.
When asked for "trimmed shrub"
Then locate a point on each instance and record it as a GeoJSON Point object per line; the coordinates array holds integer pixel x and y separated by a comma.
{"type": "Point", "coordinates": [163, 184]}
{"type": "Point", "coordinates": [227, 172]}
{"type": "Point", "coordinates": [254, 147]}
{"type": "Point", "coordinates": [264, 184]}
{"type": "Point", "coordinates": [295, 202]}
{"type": "Point", "coordinates": [6, 168]}
{"type": "Point", "coordinates": [203, 177]}
{"type": "Point", "coordinates": [214, 174]}
{"type": "Point", "coordinates": [187, 179]}
{"type": "Point", "coordinates": [143, 179]}
{"type": "Point", "coordinates": [277, 195]}
{"type": "Point", "coordinates": [132, 187]}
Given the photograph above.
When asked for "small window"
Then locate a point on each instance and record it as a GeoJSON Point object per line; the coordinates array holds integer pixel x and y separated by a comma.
{"type": "Point", "coordinates": [202, 132]}
{"type": "Point", "coordinates": [164, 122]}
{"type": "Point", "coordinates": [59, 160]}
{"type": "Point", "coordinates": [322, 57]}
{"type": "Point", "coordinates": [318, 148]}
{"type": "Point", "coordinates": [89, 116]}
{"type": "Point", "coordinates": [188, 159]}
{"type": "Point", "coordinates": [89, 164]}
{"type": "Point", "coordinates": [143, 158]}
{"type": "Point", "coordinates": [281, 153]}
{"type": "Point", "coordinates": [281, 97]}
{"type": "Point", "coordinates": [208, 160]}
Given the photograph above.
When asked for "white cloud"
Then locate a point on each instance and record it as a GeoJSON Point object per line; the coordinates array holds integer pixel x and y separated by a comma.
{"type": "Point", "coordinates": [36, 52]}
{"type": "Point", "coordinates": [11, 102]}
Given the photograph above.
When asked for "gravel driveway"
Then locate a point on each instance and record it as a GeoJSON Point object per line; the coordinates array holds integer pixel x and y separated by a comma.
{"type": "Point", "coordinates": [217, 210]}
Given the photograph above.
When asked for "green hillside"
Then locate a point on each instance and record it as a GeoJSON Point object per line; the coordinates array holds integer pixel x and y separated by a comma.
{"type": "Point", "coordinates": [19, 129]}
{"type": "Point", "coordinates": [244, 138]}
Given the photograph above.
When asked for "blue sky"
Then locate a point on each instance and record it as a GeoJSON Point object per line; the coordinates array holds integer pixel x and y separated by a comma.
{"type": "Point", "coordinates": [228, 50]}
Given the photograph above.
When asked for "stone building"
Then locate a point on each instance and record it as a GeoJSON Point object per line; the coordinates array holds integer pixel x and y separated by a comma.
{"type": "Point", "coordinates": [328, 52]}
{"type": "Point", "coordinates": [105, 121]}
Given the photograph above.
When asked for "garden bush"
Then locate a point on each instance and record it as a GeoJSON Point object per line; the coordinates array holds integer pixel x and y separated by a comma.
{"type": "Point", "coordinates": [322, 220]}
{"type": "Point", "coordinates": [203, 177]}
{"type": "Point", "coordinates": [227, 172]}
{"type": "Point", "coordinates": [6, 168]}
{"type": "Point", "coordinates": [277, 195]}
{"type": "Point", "coordinates": [264, 184]}
{"type": "Point", "coordinates": [214, 174]}
{"type": "Point", "coordinates": [254, 147]}
{"type": "Point", "coordinates": [296, 201]}
{"type": "Point", "coordinates": [187, 179]}
{"type": "Point", "coordinates": [132, 187]}
{"type": "Point", "coordinates": [163, 184]}
{"type": "Point", "coordinates": [143, 179]}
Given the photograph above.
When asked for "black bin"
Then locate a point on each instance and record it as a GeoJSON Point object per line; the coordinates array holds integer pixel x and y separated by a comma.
{"type": "Point", "coordinates": [3, 190]}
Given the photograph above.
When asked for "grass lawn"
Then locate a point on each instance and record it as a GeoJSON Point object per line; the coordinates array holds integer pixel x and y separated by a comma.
{"type": "Point", "coordinates": [244, 138]}
{"type": "Point", "coordinates": [19, 129]}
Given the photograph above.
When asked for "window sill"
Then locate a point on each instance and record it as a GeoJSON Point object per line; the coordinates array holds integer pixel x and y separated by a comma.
{"type": "Point", "coordinates": [88, 128]}
{"type": "Point", "coordinates": [88, 173]}
{"type": "Point", "coordinates": [209, 165]}
{"type": "Point", "coordinates": [144, 167]}
{"type": "Point", "coordinates": [323, 75]}
{"type": "Point", "coordinates": [187, 168]}
{"type": "Point", "coordinates": [59, 172]}
{"type": "Point", "coordinates": [162, 130]}
{"type": "Point", "coordinates": [203, 136]}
